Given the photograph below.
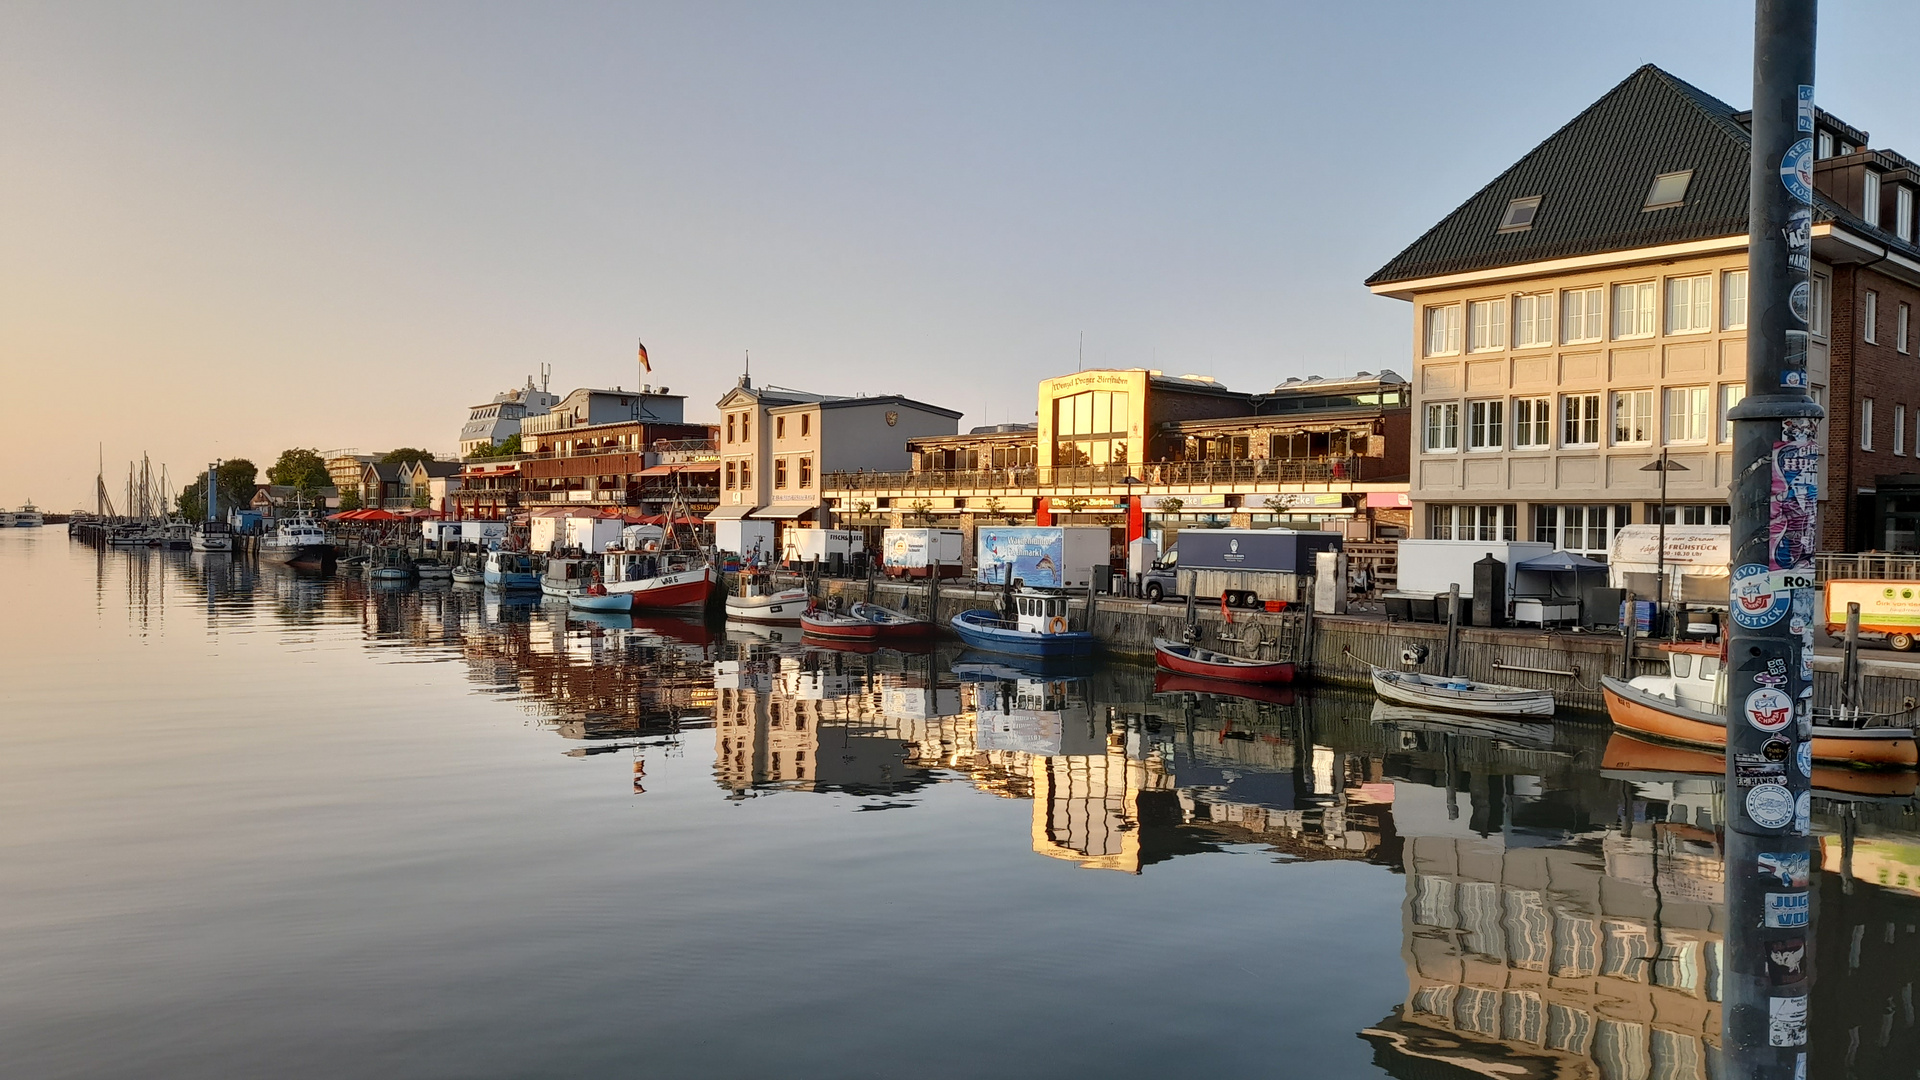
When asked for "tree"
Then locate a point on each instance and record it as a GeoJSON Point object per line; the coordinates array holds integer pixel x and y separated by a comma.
{"type": "Point", "coordinates": [507, 447]}
{"type": "Point", "coordinates": [237, 481]}
{"type": "Point", "coordinates": [349, 500]}
{"type": "Point", "coordinates": [922, 509]}
{"type": "Point", "coordinates": [302, 470]}
{"type": "Point", "coordinates": [405, 455]}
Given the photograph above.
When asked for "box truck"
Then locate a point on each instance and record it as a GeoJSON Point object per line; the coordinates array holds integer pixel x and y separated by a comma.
{"type": "Point", "coordinates": [915, 552]}
{"type": "Point", "coordinates": [801, 545]}
{"type": "Point", "coordinates": [1248, 567]}
{"type": "Point", "coordinates": [1041, 556]}
{"type": "Point", "coordinates": [1889, 610]}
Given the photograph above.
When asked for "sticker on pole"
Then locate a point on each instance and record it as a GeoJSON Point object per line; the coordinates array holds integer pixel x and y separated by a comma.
{"type": "Point", "coordinates": [1786, 961]}
{"type": "Point", "coordinates": [1755, 603]}
{"type": "Point", "coordinates": [1791, 867]}
{"type": "Point", "coordinates": [1796, 170]}
{"type": "Point", "coordinates": [1769, 709]}
{"type": "Point", "coordinates": [1787, 910]}
{"type": "Point", "coordinates": [1803, 756]}
{"type": "Point", "coordinates": [1804, 109]}
{"type": "Point", "coordinates": [1803, 814]}
{"type": "Point", "coordinates": [1787, 1021]}
{"type": "Point", "coordinates": [1770, 805]}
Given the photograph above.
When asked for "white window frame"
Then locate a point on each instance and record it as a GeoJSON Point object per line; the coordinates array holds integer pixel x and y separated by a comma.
{"type": "Point", "coordinates": [1448, 430]}
{"type": "Point", "coordinates": [1689, 415]}
{"type": "Point", "coordinates": [1443, 330]}
{"type": "Point", "coordinates": [1635, 310]}
{"type": "Point", "coordinates": [1870, 198]}
{"type": "Point", "coordinates": [1533, 320]}
{"type": "Point", "coordinates": [1866, 424]}
{"type": "Point", "coordinates": [1590, 324]}
{"type": "Point", "coordinates": [1869, 316]}
{"type": "Point", "coordinates": [1731, 394]}
{"type": "Point", "coordinates": [1690, 304]}
{"type": "Point", "coordinates": [1536, 426]}
{"type": "Point", "coordinates": [1640, 411]}
{"type": "Point", "coordinates": [1587, 416]}
{"type": "Point", "coordinates": [1902, 324]}
{"type": "Point", "coordinates": [1903, 212]}
{"type": "Point", "coordinates": [1733, 300]}
{"type": "Point", "coordinates": [1487, 325]}
{"type": "Point", "coordinates": [1486, 425]}
{"type": "Point", "coordinates": [1899, 431]}
{"type": "Point", "coordinates": [1818, 297]}
{"type": "Point", "coordinates": [1825, 145]}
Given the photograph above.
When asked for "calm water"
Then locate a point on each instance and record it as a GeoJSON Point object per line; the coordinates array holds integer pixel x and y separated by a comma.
{"type": "Point", "coordinates": [260, 824]}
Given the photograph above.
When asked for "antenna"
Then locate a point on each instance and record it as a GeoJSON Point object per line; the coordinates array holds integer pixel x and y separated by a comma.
{"type": "Point", "coordinates": [1080, 360]}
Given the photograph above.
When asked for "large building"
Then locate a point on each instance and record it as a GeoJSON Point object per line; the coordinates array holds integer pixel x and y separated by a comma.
{"type": "Point", "coordinates": [1587, 310]}
{"type": "Point", "coordinates": [493, 422]}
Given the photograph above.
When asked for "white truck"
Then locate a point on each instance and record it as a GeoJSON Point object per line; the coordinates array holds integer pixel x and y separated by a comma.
{"type": "Point", "coordinates": [915, 552]}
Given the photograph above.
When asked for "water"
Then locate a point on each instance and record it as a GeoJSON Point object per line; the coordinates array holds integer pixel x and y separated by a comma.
{"type": "Point", "coordinates": [264, 824]}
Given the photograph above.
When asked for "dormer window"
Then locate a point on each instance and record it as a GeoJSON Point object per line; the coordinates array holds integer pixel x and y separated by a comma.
{"type": "Point", "coordinates": [1903, 212]}
{"type": "Point", "coordinates": [1669, 189]}
{"type": "Point", "coordinates": [1825, 146]}
{"type": "Point", "coordinates": [1870, 198]}
{"type": "Point", "coordinates": [1520, 214]}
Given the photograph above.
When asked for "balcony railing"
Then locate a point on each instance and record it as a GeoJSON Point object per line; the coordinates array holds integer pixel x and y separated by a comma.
{"type": "Point", "coordinates": [1154, 478]}
{"type": "Point", "coordinates": [1867, 566]}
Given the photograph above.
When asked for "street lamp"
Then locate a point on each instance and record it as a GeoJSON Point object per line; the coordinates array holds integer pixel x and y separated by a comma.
{"type": "Point", "coordinates": [1663, 466]}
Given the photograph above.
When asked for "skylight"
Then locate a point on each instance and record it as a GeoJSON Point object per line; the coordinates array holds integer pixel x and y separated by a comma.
{"type": "Point", "coordinates": [1669, 189]}
{"type": "Point", "coordinates": [1520, 214]}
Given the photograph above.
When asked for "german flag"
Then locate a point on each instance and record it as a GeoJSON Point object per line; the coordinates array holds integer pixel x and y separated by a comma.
{"type": "Point", "coordinates": [646, 365]}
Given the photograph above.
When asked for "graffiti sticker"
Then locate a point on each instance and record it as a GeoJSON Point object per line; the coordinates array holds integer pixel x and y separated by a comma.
{"type": "Point", "coordinates": [1793, 506]}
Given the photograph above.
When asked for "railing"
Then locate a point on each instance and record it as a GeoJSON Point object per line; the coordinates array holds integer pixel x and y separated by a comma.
{"type": "Point", "coordinates": [1867, 566]}
{"type": "Point", "coordinates": [1151, 479]}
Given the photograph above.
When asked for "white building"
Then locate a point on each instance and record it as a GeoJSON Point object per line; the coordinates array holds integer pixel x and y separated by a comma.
{"type": "Point", "coordinates": [496, 421]}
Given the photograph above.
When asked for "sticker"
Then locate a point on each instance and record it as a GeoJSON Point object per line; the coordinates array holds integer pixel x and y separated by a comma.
{"type": "Point", "coordinates": [1797, 303]}
{"type": "Point", "coordinates": [1806, 666]}
{"type": "Point", "coordinates": [1796, 170]}
{"type": "Point", "coordinates": [1755, 603]}
{"type": "Point", "coordinates": [1775, 749]}
{"type": "Point", "coordinates": [1787, 910]}
{"type": "Point", "coordinates": [1749, 770]}
{"type": "Point", "coordinates": [1787, 1021]}
{"type": "Point", "coordinates": [1805, 109]}
{"type": "Point", "coordinates": [1770, 805]}
{"type": "Point", "coordinates": [1798, 234]}
{"type": "Point", "coordinates": [1767, 678]}
{"type": "Point", "coordinates": [1803, 814]}
{"type": "Point", "coordinates": [1803, 757]}
{"type": "Point", "coordinates": [1791, 867]}
{"type": "Point", "coordinates": [1800, 1066]}
{"type": "Point", "coordinates": [1786, 961]}
{"type": "Point", "coordinates": [1793, 504]}
{"type": "Point", "coordinates": [1769, 709]}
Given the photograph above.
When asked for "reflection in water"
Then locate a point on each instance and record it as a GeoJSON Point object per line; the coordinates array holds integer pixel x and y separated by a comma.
{"type": "Point", "coordinates": [1560, 895]}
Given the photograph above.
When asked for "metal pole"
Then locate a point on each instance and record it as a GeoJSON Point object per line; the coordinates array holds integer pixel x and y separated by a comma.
{"type": "Point", "coordinates": [1775, 532]}
{"type": "Point", "coordinates": [1453, 624]}
{"type": "Point", "coordinates": [1660, 556]}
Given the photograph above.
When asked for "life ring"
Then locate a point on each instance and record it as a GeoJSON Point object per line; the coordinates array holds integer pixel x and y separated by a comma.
{"type": "Point", "coordinates": [1057, 625]}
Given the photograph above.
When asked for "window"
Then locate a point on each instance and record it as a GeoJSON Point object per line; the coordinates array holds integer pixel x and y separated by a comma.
{"type": "Point", "coordinates": [779, 472]}
{"type": "Point", "coordinates": [1817, 306]}
{"type": "Point", "coordinates": [1632, 417]}
{"type": "Point", "coordinates": [1532, 423]}
{"type": "Point", "coordinates": [1826, 145]}
{"type": "Point", "coordinates": [1731, 394]}
{"type": "Point", "coordinates": [1866, 424]}
{"type": "Point", "coordinates": [1533, 321]}
{"type": "Point", "coordinates": [729, 427]}
{"type": "Point", "coordinates": [1900, 430]}
{"type": "Point", "coordinates": [1443, 330]}
{"type": "Point", "coordinates": [1443, 427]}
{"type": "Point", "coordinates": [746, 421]}
{"type": "Point", "coordinates": [746, 474]}
{"type": "Point", "coordinates": [1446, 522]}
{"type": "Point", "coordinates": [1583, 315]}
{"type": "Point", "coordinates": [1583, 530]}
{"type": "Point", "coordinates": [1484, 422]}
{"type": "Point", "coordinates": [1869, 315]}
{"type": "Point", "coordinates": [729, 476]}
{"type": "Point", "coordinates": [1870, 197]}
{"type": "Point", "coordinates": [806, 472]}
{"type": "Point", "coordinates": [1733, 300]}
{"type": "Point", "coordinates": [1690, 304]}
{"type": "Point", "coordinates": [779, 427]}
{"type": "Point", "coordinates": [1688, 415]}
{"type": "Point", "coordinates": [1580, 420]}
{"type": "Point", "coordinates": [1520, 214]}
{"type": "Point", "coordinates": [1694, 514]}
{"type": "Point", "coordinates": [1633, 310]}
{"type": "Point", "coordinates": [1669, 189]}
{"type": "Point", "coordinates": [806, 424]}
{"type": "Point", "coordinates": [1090, 428]}
{"type": "Point", "coordinates": [1487, 325]}
{"type": "Point", "coordinates": [1903, 318]}
{"type": "Point", "coordinates": [1903, 212]}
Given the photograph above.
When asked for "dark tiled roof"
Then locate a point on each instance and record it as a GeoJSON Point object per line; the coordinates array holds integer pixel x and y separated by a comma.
{"type": "Point", "coordinates": [1593, 176]}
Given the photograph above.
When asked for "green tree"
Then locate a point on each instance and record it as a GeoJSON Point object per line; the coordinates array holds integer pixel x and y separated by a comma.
{"type": "Point", "coordinates": [237, 479]}
{"type": "Point", "coordinates": [300, 469]}
{"type": "Point", "coordinates": [349, 500]}
{"type": "Point", "coordinates": [405, 455]}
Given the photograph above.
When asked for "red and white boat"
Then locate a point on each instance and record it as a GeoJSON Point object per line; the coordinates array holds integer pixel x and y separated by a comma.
{"type": "Point", "coordinates": [1207, 664]}
{"type": "Point", "coordinates": [841, 627]}
{"type": "Point", "coordinates": [651, 581]}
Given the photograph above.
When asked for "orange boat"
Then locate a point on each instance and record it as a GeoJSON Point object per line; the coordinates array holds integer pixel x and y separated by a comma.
{"type": "Point", "coordinates": [1639, 710]}
{"type": "Point", "coordinates": [1625, 753]}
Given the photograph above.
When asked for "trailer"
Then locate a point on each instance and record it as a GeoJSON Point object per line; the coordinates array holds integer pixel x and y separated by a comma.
{"type": "Point", "coordinates": [820, 545]}
{"type": "Point", "coordinates": [1041, 556]}
{"type": "Point", "coordinates": [915, 553]}
{"type": "Point", "coordinates": [1431, 567]}
{"type": "Point", "coordinates": [1889, 610]}
{"type": "Point", "coordinates": [1243, 567]}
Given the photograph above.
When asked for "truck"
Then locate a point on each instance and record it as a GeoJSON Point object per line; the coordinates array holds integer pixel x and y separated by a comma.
{"type": "Point", "coordinates": [1041, 556]}
{"type": "Point", "coordinates": [915, 552]}
{"type": "Point", "coordinates": [818, 545]}
{"type": "Point", "coordinates": [1889, 610]}
{"type": "Point", "coordinates": [1244, 567]}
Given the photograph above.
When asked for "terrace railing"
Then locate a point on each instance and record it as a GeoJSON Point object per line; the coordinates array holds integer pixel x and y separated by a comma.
{"type": "Point", "coordinates": [1153, 479]}
{"type": "Point", "coordinates": [1867, 566]}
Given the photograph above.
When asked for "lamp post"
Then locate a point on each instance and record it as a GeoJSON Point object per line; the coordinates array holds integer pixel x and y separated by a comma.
{"type": "Point", "coordinates": [1664, 466]}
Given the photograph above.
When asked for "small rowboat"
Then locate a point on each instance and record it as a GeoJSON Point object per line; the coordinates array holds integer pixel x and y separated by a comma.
{"type": "Point", "coordinates": [782, 607]}
{"type": "Point", "coordinates": [1649, 715]}
{"type": "Point", "coordinates": [895, 623]}
{"type": "Point", "coordinates": [1460, 695]}
{"type": "Point", "coordinates": [845, 627]}
{"type": "Point", "coordinates": [1207, 664]}
{"type": "Point", "coordinates": [597, 598]}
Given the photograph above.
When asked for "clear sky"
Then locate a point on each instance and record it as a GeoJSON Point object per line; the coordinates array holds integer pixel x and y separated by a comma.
{"type": "Point", "coordinates": [229, 229]}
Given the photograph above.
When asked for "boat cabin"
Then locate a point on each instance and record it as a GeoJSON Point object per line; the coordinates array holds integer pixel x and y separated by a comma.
{"type": "Point", "coordinates": [1040, 613]}
{"type": "Point", "coordinates": [1693, 678]}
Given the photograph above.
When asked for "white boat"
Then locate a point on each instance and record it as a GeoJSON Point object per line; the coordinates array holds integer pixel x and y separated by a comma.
{"type": "Point", "coordinates": [298, 539]}
{"type": "Point", "coordinates": [597, 598]}
{"type": "Point", "coordinates": [28, 517]}
{"type": "Point", "coordinates": [433, 568]}
{"type": "Point", "coordinates": [390, 564]}
{"type": "Point", "coordinates": [762, 603]}
{"type": "Point", "coordinates": [510, 571]}
{"type": "Point", "coordinates": [567, 577]}
{"type": "Point", "coordinates": [1461, 695]}
{"type": "Point", "coordinates": [176, 535]}
{"type": "Point", "coordinates": [212, 537]}
{"type": "Point", "coordinates": [6, 519]}
{"type": "Point", "coordinates": [660, 579]}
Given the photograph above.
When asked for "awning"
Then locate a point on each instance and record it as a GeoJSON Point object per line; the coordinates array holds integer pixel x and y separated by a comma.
{"type": "Point", "coordinates": [661, 470]}
{"type": "Point", "coordinates": [784, 512]}
{"type": "Point", "coordinates": [729, 513]}
{"type": "Point", "coordinates": [1691, 550]}
{"type": "Point", "coordinates": [685, 466]}
{"type": "Point", "coordinates": [1561, 561]}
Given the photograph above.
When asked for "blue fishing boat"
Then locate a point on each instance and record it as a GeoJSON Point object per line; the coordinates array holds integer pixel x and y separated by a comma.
{"type": "Point", "coordinates": [1039, 627]}
{"type": "Point", "coordinates": [510, 570]}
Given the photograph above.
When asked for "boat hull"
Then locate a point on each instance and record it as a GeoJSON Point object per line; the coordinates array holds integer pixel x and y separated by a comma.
{"type": "Point", "coordinates": [1178, 658]}
{"type": "Point", "coordinates": [297, 554]}
{"type": "Point", "coordinates": [893, 623]}
{"type": "Point", "coordinates": [1628, 753]}
{"type": "Point", "coordinates": [1019, 642]}
{"type": "Point", "coordinates": [841, 629]}
{"type": "Point", "coordinates": [1645, 715]}
{"type": "Point", "coordinates": [1482, 700]}
{"type": "Point", "coordinates": [614, 602]}
{"type": "Point", "coordinates": [781, 609]}
{"type": "Point", "coordinates": [517, 582]}
{"type": "Point", "coordinates": [680, 589]}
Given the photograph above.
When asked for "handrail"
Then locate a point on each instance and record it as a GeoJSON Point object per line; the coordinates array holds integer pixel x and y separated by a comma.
{"type": "Point", "coordinates": [1150, 478]}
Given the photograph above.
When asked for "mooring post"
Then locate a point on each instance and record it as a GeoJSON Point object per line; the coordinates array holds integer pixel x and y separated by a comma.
{"type": "Point", "coordinates": [1850, 665]}
{"type": "Point", "coordinates": [1453, 625]}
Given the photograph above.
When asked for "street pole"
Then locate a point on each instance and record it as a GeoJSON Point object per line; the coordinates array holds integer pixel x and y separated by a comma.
{"type": "Point", "coordinates": [1769, 675]}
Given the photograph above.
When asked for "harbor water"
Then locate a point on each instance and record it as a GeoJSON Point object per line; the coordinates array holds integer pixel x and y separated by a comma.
{"type": "Point", "coordinates": [264, 823]}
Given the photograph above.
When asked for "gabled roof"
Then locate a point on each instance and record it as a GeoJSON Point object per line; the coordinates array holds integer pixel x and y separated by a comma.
{"type": "Point", "coordinates": [1593, 176]}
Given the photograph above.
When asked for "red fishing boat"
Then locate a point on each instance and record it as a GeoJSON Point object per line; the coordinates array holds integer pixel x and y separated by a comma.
{"type": "Point", "coordinates": [1208, 664]}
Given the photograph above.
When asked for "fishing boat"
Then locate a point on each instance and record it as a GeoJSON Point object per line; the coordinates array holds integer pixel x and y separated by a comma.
{"type": "Point", "coordinates": [509, 570]}
{"type": "Point", "coordinates": [28, 517]}
{"type": "Point", "coordinates": [567, 576]}
{"type": "Point", "coordinates": [1208, 664]}
{"type": "Point", "coordinates": [176, 535]}
{"type": "Point", "coordinates": [760, 602]}
{"type": "Point", "coordinates": [6, 519]}
{"type": "Point", "coordinates": [432, 569]}
{"type": "Point", "coordinates": [894, 624]}
{"type": "Point", "coordinates": [1039, 627]}
{"type": "Point", "coordinates": [840, 625]}
{"type": "Point", "coordinates": [468, 572]}
{"type": "Point", "coordinates": [660, 580]}
{"type": "Point", "coordinates": [595, 597]}
{"type": "Point", "coordinates": [1688, 705]}
{"type": "Point", "coordinates": [1460, 695]}
{"type": "Point", "coordinates": [1628, 757]}
{"type": "Point", "coordinates": [390, 564]}
{"type": "Point", "coordinates": [213, 537]}
{"type": "Point", "coordinates": [298, 539]}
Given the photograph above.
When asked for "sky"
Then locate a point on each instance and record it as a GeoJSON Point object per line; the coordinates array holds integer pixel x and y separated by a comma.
{"type": "Point", "coordinates": [229, 229]}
